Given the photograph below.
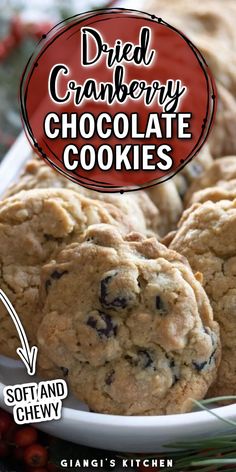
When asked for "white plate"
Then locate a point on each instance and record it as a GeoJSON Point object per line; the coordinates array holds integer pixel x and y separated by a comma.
{"type": "Point", "coordinates": [118, 433]}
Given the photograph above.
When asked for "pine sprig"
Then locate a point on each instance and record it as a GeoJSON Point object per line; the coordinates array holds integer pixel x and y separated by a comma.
{"type": "Point", "coordinates": [216, 453]}
{"type": "Point", "coordinates": [212, 454]}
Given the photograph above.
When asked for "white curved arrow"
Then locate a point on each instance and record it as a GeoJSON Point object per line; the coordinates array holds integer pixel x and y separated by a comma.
{"type": "Point", "coordinates": [27, 355]}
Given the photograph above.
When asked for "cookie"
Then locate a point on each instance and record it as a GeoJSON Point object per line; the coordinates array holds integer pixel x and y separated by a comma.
{"type": "Point", "coordinates": [215, 194]}
{"type": "Point", "coordinates": [168, 201]}
{"type": "Point", "coordinates": [210, 25]}
{"type": "Point", "coordinates": [192, 171]}
{"type": "Point", "coordinates": [128, 325]}
{"type": "Point", "coordinates": [223, 66]}
{"type": "Point", "coordinates": [218, 174]}
{"type": "Point", "coordinates": [136, 206]}
{"type": "Point", "coordinates": [210, 20]}
{"type": "Point", "coordinates": [211, 28]}
{"type": "Point", "coordinates": [207, 237]}
{"type": "Point", "coordinates": [198, 165]}
{"type": "Point", "coordinates": [34, 225]}
{"type": "Point", "coordinates": [222, 139]}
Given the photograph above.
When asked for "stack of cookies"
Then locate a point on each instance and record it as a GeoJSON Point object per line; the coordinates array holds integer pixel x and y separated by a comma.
{"type": "Point", "coordinates": [129, 297]}
{"type": "Point", "coordinates": [206, 231]}
{"type": "Point", "coordinates": [119, 315]}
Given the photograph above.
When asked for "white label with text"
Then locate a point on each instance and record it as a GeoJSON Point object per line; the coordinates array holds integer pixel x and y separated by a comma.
{"type": "Point", "coordinates": [33, 403]}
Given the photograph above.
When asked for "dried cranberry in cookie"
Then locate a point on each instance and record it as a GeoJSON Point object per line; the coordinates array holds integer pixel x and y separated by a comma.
{"type": "Point", "coordinates": [119, 289]}
{"type": "Point", "coordinates": [130, 322]}
{"type": "Point", "coordinates": [34, 225]}
{"type": "Point", "coordinates": [103, 324]}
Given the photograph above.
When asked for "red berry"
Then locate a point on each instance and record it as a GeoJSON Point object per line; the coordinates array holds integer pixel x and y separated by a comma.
{"type": "Point", "coordinates": [16, 28]}
{"type": "Point", "coordinates": [6, 422]}
{"type": "Point", "coordinates": [52, 467]}
{"type": "Point", "coordinates": [26, 436]}
{"type": "Point", "coordinates": [9, 43]}
{"type": "Point", "coordinates": [36, 455]}
{"type": "Point", "coordinates": [4, 449]}
{"type": "Point", "coordinates": [3, 51]}
{"type": "Point", "coordinates": [37, 469]}
{"type": "Point", "coordinates": [18, 453]}
{"type": "Point", "coordinates": [10, 434]}
{"type": "Point", "coordinates": [41, 28]}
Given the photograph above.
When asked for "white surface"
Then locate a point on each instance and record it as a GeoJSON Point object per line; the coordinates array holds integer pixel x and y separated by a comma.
{"type": "Point", "coordinates": [119, 433]}
{"type": "Point", "coordinates": [14, 161]}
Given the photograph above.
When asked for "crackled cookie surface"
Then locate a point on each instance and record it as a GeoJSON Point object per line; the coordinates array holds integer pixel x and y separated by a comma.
{"type": "Point", "coordinates": [128, 324]}
{"type": "Point", "coordinates": [210, 25]}
{"type": "Point", "coordinates": [222, 138]}
{"type": "Point", "coordinates": [168, 196]}
{"type": "Point", "coordinates": [33, 225]}
{"type": "Point", "coordinates": [207, 237]}
{"type": "Point", "coordinates": [192, 171]}
{"type": "Point", "coordinates": [136, 206]}
{"type": "Point", "coordinates": [221, 173]}
{"type": "Point", "coordinates": [226, 191]}
{"type": "Point", "coordinates": [200, 163]}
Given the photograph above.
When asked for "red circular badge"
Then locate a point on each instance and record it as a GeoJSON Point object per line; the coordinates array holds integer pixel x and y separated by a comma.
{"type": "Point", "coordinates": [117, 99]}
